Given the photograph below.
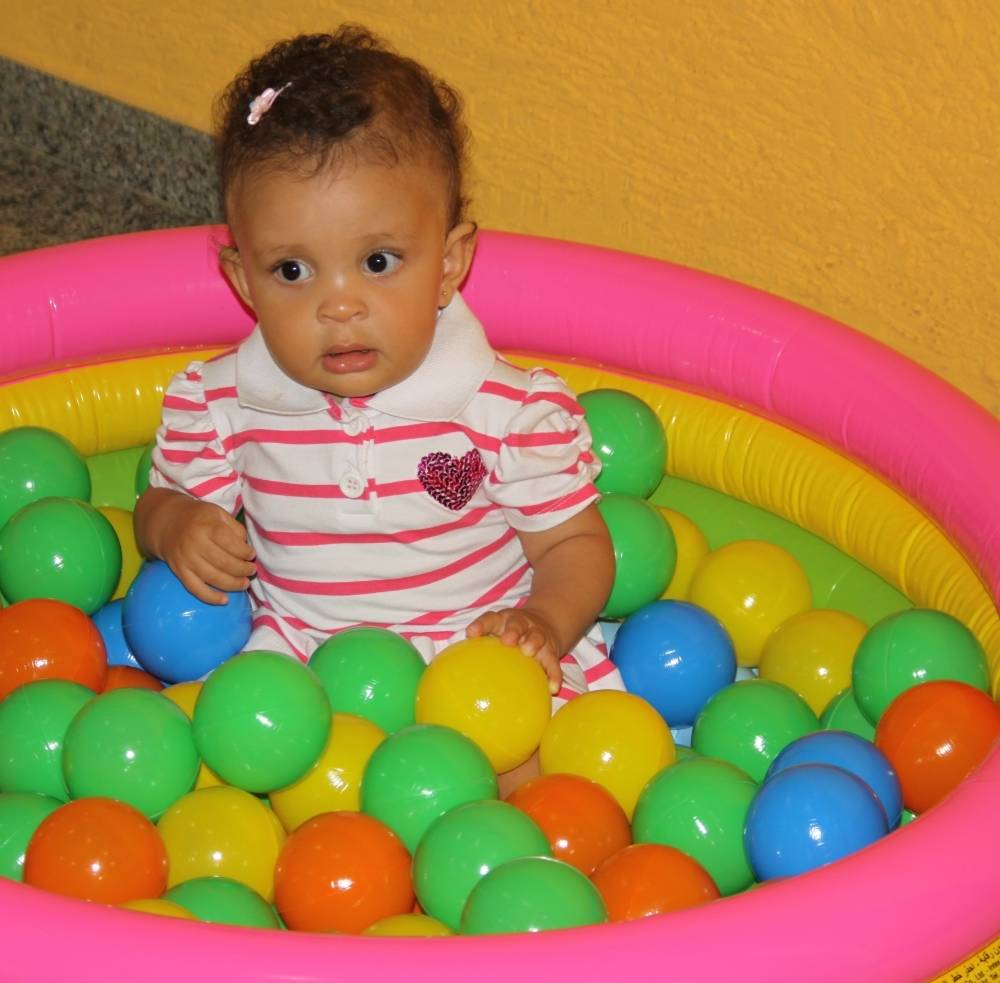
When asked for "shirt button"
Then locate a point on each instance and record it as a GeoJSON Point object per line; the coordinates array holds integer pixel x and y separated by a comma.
{"type": "Point", "coordinates": [354, 426]}
{"type": "Point", "coordinates": [352, 484]}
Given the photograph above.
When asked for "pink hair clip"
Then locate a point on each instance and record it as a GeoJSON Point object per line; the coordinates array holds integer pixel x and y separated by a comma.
{"type": "Point", "coordinates": [263, 103]}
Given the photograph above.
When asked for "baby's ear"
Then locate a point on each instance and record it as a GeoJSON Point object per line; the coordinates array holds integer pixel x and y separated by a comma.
{"type": "Point", "coordinates": [232, 266]}
{"type": "Point", "coordinates": [459, 247]}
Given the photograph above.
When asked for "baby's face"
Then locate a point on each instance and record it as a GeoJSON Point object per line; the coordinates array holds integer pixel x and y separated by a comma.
{"type": "Point", "coordinates": [346, 270]}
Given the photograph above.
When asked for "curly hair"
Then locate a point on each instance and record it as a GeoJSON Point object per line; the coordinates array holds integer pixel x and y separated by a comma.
{"type": "Point", "coordinates": [347, 92]}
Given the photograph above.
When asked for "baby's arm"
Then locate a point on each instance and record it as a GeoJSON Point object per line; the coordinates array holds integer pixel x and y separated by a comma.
{"type": "Point", "coordinates": [202, 543]}
{"type": "Point", "coordinates": [573, 570]}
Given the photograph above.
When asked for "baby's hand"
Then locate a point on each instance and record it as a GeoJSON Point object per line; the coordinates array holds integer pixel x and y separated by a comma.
{"type": "Point", "coordinates": [527, 629]}
{"type": "Point", "coordinates": [208, 550]}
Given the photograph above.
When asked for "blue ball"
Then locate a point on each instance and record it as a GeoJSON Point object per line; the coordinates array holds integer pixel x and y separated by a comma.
{"type": "Point", "coordinates": [175, 636]}
{"type": "Point", "coordinates": [108, 621]}
{"type": "Point", "coordinates": [853, 754]}
{"type": "Point", "coordinates": [675, 656]}
{"type": "Point", "coordinates": [808, 816]}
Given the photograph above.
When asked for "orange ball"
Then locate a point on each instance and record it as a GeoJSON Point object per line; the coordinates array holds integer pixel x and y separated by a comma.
{"type": "Point", "coordinates": [128, 677]}
{"type": "Point", "coordinates": [934, 735]}
{"type": "Point", "coordinates": [582, 820]}
{"type": "Point", "coordinates": [341, 872]}
{"type": "Point", "coordinates": [651, 879]}
{"type": "Point", "coordinates": [45, 639]}
{"type": "Point", "coordinates": [97, 849]}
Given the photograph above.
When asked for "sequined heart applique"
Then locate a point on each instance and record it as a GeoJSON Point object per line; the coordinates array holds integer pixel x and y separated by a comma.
{"type": "Point", "coordinates": [452, 481]}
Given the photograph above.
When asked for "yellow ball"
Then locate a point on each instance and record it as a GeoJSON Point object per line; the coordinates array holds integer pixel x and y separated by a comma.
{"type": "Point", "coordinates": [185, 695]}
{"type": "Point", "coordinates": [333, 784]}
{"type": "Point", "coordinates": [751, 587]}
{"type": "Point", "coordinates": [408, 925]}
{"type": "Point", "coordinates": [492, 693]}
{"type": "Point", "coordinates": [692, 548]}
{"type": "Point", "coordinates": [615, 739]}
{"type": "Point", "coordinates": [121, 522]}
{"type": "Point", "coordinates": [812, 654]}
{"type": "Point", "coordinates": [222, 832]}
{"type": "Point", "coordinates": [158, 906]}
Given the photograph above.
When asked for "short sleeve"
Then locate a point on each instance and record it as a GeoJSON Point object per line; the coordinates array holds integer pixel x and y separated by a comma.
{"type": "Point", "coordinates": [189, 455]}
{"type": "Point", "coordinates": [545, 468]}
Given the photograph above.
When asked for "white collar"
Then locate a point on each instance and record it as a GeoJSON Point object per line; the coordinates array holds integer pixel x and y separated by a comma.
{"type": "Point", "coordinates": [459, 360]}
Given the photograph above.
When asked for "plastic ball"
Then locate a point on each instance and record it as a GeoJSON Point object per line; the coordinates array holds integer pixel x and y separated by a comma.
{"type": "Point", "coordinates": [223, 901]}
{"type": "Point", "coordinates": [33, 724]}
{"type": "Point", "coordinates": [59, 548]}
{"type": "Point", "coordinates": [645, 553]}
{"type": "Point", "coordinates": [700, 806]}
{"type": "Point", "coordinates": [492, 693]}
{"type": "Point", "coordinates": [341, 872]}
{"type": "Point", "coordinates": [808, 816]}
{"type": "Point", "coordinates": [418, 774]}
{"type": "Point", "coordinates": [333, 784]}
{"type": "Point", "coordinates": [532, 894]}
{"type": "Point", "coordinates": [913, 647]}
{"type": "Point", "coordinates": [812, 653]}
{"type": "Point", "coordinates": [158, 906]}
{"type": "Point", "coordinates": [692, 548]}
{"type": "Point", "coordinates": [128, 677]}
{"type": "Point", "coordinates": [935, 735]}
{"type": "Point", "coordinates": [582, 821]}
{"type": "Point", "coordinates": [749, 723]}
{"type": "Point", "coordinates": [121, 522]}
{"type": "Point", "coordinates": [615, 739]}
{"type": "Point", "coordinates": [853, 754]}
{"type": "Point", "coordinates": [629, 440]}
{"type": "Point", "coordinates": [108, 621]}
{"type": "Point", "coordinates": [651, 879]}
{"type": "Point", "coordinates": [20, 815]}
{"type": "Point", "coordinates": [43, 639]}
{"type": "Point", "coordinates": [674, 655]}
{"type": "Point", "coordinates": [371, 673]}
{"type": "Point", "coordinates": [97, 849]}
{"type": "Point", "coordinates": [408, 926]}
{"type": "Point", "coordinates": [843, 713]}
{"type": "Point", "coordinates": [222, 832]}
{"type": "Point", "coordinates": [462, 846]}
{"type": "Point", "coordinates": [261, 721]}
{"type": "Point", "coordinates": [132, 745]}
{"type": "Point", "coordinates": [751, 587]}
{"type": "Point", "coordinates": [36, 463]}
{"type": "Point", "coordinates": [142, 468]}
{"type": "Point", "coordinates": [175, 636]}
{"type": "Point", "coordinates": [185, 695]}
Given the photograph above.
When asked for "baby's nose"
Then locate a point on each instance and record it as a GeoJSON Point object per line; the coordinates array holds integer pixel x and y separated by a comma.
{"type": "Point", "coordinates": [342, 301]}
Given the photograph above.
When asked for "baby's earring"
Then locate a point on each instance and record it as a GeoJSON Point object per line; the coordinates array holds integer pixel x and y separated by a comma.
{"type": "Point", "coordinates": [445, 298]}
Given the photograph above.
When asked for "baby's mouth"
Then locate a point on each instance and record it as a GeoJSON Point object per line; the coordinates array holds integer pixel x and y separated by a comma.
{"type": "Point", "coordinates": [342, 361]}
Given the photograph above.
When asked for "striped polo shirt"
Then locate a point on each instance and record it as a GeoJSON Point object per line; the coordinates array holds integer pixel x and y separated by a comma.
{"type": "Point", "coordinates": [398, 510]}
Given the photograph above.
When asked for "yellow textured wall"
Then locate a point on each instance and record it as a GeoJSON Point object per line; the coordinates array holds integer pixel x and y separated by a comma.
{"type": "Point", "coordinates": [841, 154]}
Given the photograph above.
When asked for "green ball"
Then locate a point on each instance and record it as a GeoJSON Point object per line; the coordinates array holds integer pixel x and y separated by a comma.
{"type": "Point", "coordinates": [843, 713]}
{"type": "Point", "coordinates": [60, 548]}
{"type": "Point", "coordinates": [629, 440]}
{"type": "Point", "coordinates": [532, 894]}
{"type": "Point", "coordinates": [906, 817]}
{"type": "Point", "coordinates": [462, 846]}
{"type": "Point", "coordinates": [142, 468]}
{"type": "Point", "coordinates": [20, 815]}
{"type": "Point", "coordinates": [418, 774]}
{"type": "Point", "coordinates": [699, 806]}
{"type": "Point", "coordinates": [645, 553]}
{"type": "Point", "coordinates": [223, 901]}
{"type": "Point", "coordinates": [371, 673]}
{"type": "Point", "coordinates": [37, 463]}
{"type": "Point", "coordinates": [912, 647]}
{"type": "Point", "coordinates": [133, 745]}
{"type": "Point", "coordinates": [261, 721]}
{"type": "Point", "coordinates": [33, 724]}
{"type": "Point", "coordinates": [750, 722]}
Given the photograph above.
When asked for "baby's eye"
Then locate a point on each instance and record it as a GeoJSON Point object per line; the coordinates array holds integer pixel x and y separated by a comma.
{"type": "Point", "coordinates": [292, 271]}
{"type": "Point", "coordinates": [382, 262]}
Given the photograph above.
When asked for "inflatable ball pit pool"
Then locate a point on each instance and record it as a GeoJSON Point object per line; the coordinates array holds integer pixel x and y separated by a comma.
{"type": "Point", "coordinates": [782, 424]}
